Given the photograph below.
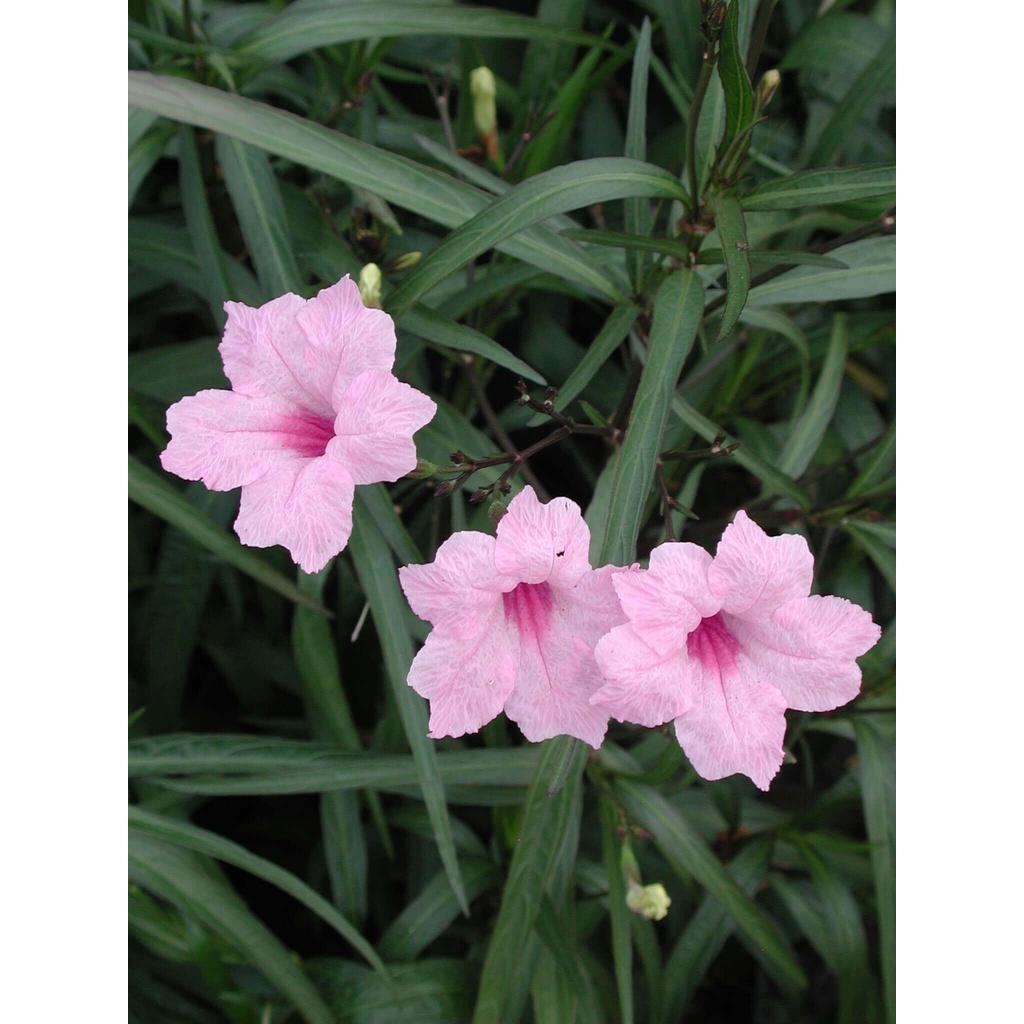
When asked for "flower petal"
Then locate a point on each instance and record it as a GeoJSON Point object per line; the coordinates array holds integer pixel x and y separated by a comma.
{"type": "Point", "coordinates": [556, 674]}
{"type": "Point", "coordinates": [264, 354]}
{"type": "Point", "coordinates": [466, 679]}
{"type": "Point", "coordinates": [640, 685]}
{"type": "Point", "coordinates": [807, 649]}
{"type": "Point", "coordinates": [737, 724]}
{"type": "Point", "coordinates": [228, 439]}
{"type": "Point", "coordinates": [305, 505]}
{"type": "Point", "coordinates": [753, 573]}
{"type": "Point", "coordinates": [374, 427]}
{"type": "Point", "coordinates": [344, 338]}
{"type": "Point", "coordinates": [460, 588]}
{"type": "Point", "coordinates": [540, 543]}
{"type": "Point", "coordinates": [670, 598]}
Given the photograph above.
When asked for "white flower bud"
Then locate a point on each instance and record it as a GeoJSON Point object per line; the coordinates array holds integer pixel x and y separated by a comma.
{"type": "Point", "coordinates": [484, 89]}
{"type": "Point", "coordinates": [369, 285]}
{"type": "Point", "coordinates": [650, 901]}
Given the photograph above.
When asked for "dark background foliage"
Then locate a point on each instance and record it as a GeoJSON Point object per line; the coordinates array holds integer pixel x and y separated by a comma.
{"type": "Point", "coordinates": [279, 773]}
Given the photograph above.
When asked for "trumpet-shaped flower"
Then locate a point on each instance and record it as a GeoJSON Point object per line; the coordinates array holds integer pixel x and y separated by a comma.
{"type": "Point", "coordinates": [313, 411]}
{"type": "Point", "coordinates": [515, 621]}
{"type": "Point", "coordinates": [724, 645]}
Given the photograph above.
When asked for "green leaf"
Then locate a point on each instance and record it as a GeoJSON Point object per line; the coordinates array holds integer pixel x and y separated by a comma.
{"type": "Point", "coordinates": [199, 840]}
{"type": "Point", "coordinates": [739, 95]}
{"type": "Point", "coordinates": [213, 263]}
{"type": "Point", "coordinates": [257, 200]}
{"type": "Point", "coordinates": [878, 550]}
{"type": "Point", "coordinates": [305, 767]}
{"type": "Point", "coordinates": [433, 327]}
{"type": "Point", "coordinates": [433, 910]}
{"type": "Point", "coordinates": [870, 270]}
{"type": "Point", "coordinates": [303, 28]}
{"type": "Point", "coordinates": [637, 210]}
{"type": "Point", "coordinates": [732, 230]}
{"type": "Point", "coordinates": [877, 466]}
{"type": "Point", "coordinates": [823, 187]}
{"type": "Point", "coordinates": [775, 482]}
{"type": "Point", "coordinates": [877, 753]}
{"type": "Point", "coordinates": [182, 878]}
{"type": "Point", "coordinates": [379, 582]}
{"type": "Point", "coordinates": [707, 931]}
{"type": "Point", "coordinates": [156, 495]}
{"type": "Point", "coordinates": [169, 372]}
{"type": "Point", "coordinates": [569, 187]}
{"type": "Point", "coordinates": [678, 308]}
{"type": "Point", "coordinates": [806, 436]}
{"type": "Point", "coordinates": [773, 258]}
{"type": "Point", "coordinates": [377, 502]}
{"type": "Point", "coordinates": [622, 946]}
{"type": "Point", "coordinates": [545, 822]}
{"type": "Point", "coordinates": [403, 182]}
{"type": "Point", "coordinates": [877, 79]}
{"type": "Point", "coordinates": [143, 154]}
{"type": "Point", "coordinates": [688, 855]}
{"type": "Point", "coordinates": [608, 339]}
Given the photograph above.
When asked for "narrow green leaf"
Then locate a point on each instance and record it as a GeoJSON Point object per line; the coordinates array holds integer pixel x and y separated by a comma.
{"type": "Point", "coordinates": [876, 79]}
{"type": "Point", "coordinates": [877, 466]}
{"type": "Point", "coordinates": [406, 183]}
{"type": "Point", "coordinates": [143, 154]}
{"type": "Point", "coordinates": [822, 187]}
{"type": "Point", "coordinates": [878, 550]}
{"type": "Point", "coordinates": [377, 502]}
{"type": "Point", "coordinates": [732, 230]}
{"type": "Point", "coordinates": [689, 855]}
{"type": "Point", "coordinates": [199, 840]}
{"type": "Point", "coordinates": [213, 264]}
{"type": "Point", "coordinates": [379, 581]}
{"type": "Point", "coordinates": [542, 834]}
{"type": "Point", "coordinates": [156, 495]}
{"type": "Point", "coordinates": [305, 28]}
{"type": "Point", "coordinates": [773, 258]}
{"type": "Point", "coordinates": [739, 95]}
{"type": "Point", "coordinates": [608, 339]}
{"type": "Point", "coordinates": [257, 200]}
{"type": "Point", "coordinates": [678, 308]}
{"type": "Point", "coordinates": [433, 910]}
{"type": "Point", "coordinates": [181, 877]}
{"type": "Point", "coordinates": [877, 750]}
{"type": "Point", "coordinates": [706, 933]}
{"type": "Point", "coordinates": [637, 210]}
{"type": "Point", "coordinates": [806, 436]}
{"type": "Point", "coordinates": [619, 913]}
{"type": "Point", "coordinates": [775, 482]}
{"type": "Point", "coordinates": [870, 270]}
{"type": "Point", "coordinates": [433, 327]}
{"type": "Point", "coordinates": [569, 187]}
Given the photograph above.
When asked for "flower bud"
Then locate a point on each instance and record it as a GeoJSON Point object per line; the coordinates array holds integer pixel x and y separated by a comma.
{"type": "Point", "coordinates": [650, 901]}
{"type": "Point", "coordinates": [766, 87]}
{"type": "Point", "coordinates": [484, 89]}
{"type": "Point", "coordinates": [407, 261]}
{"type": "Point", "coordinates": [369, 285]}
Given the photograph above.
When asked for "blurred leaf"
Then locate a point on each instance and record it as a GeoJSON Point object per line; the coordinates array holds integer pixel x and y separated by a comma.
{"type": "Point", "coordinates": [732, 231]}
{"type": "Point", "coordinates": [637, 210]}
{"type": "Point", "coordinates": [169, 372]}
{"type": "Point", "coordinates": [739, 95]}
{"type": "Point", "coordinates": [877, 466]}
{"type": "Point", "coordinates": [155, 494]}
{"type": "Point", "coordinates": [678, 308]}
{"type": "Point", "coordinates": [257, 201]}
{"type": "Point", "coordinates": [300, 29]}
{"type": "Point", "coordinates": [379, 582]}
{"type": "Point", "coordinates": [619, 913]}
{"type": "Point", "coordinates": [569, 187]}
{"type": "Point", "coordinates": [199, 840]}
{"type": "Point", "coordinates": [397, 179]}
{"type": "Point", "coordinates": [879, 550]}
{"type": "Point", "coordinates": [689, 856]}
{"type": "Point", "coordinates": [877, 752]}
{"type": "Point", "coordinates": [545, 819]}
{"type": "Point", "coordinates": [179, 876]}
{"type": "Point", "coordinates": [143, 153]}
{"type": "Point", "coordinates": [823, 187]}
{"type": "Point", "coordinates": [805, 437]}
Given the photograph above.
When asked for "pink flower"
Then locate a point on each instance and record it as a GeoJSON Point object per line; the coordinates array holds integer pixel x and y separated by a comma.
{"type": "Point", "coordinates": [724, 645]}
{"type": "Point", "coordinates": [313, 410]}
{"type": "Point", "coordinates": [515, 621]}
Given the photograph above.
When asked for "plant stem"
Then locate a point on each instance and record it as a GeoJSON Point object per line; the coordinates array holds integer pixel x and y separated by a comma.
{"type": "Point", "coordinates": [707, 66]}
{"type": "Point", "coordinates": [758, 34]}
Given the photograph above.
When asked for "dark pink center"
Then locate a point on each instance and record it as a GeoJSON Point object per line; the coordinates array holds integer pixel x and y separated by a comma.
{"type": "Point", "coordinates": [305, 433]}
{"type": "Point", "coordinates": [713, 645]}
{"type": "Point", "coordinates": [528, 607]}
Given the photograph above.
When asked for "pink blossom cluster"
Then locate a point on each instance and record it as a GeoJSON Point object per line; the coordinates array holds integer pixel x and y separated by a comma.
{"type": "Point", "coordinates": [522, 623]}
